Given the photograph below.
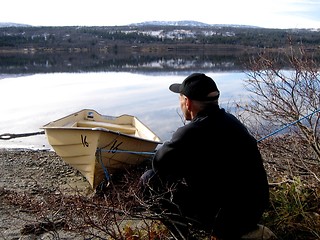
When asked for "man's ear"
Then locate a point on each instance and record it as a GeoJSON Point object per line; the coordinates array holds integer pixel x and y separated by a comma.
{"type": "Point", "coordinates": [188, 103]}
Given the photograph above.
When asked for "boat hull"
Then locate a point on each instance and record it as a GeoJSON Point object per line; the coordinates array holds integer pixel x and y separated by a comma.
{"type": "Point", "coordinates": [97, 151]}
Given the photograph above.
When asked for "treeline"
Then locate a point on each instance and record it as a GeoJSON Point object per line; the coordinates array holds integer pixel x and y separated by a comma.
{"type": "Point", "coordinates": [128, 38]}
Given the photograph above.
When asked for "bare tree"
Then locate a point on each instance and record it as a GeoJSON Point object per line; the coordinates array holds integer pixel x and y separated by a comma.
{"type": "Point", "coordinates": [284, 95]}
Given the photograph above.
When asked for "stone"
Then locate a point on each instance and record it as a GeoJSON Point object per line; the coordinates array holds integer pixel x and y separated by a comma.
{"type": "Point", "coordinates": [261, 233]}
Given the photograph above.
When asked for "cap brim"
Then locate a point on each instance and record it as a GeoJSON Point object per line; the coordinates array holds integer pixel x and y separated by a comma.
{"type": "Point", "coordinates": [175, 87]}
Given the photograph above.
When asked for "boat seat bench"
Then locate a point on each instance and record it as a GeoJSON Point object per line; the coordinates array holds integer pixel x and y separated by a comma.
{"type": "Point", "coordinates": [127, 129]}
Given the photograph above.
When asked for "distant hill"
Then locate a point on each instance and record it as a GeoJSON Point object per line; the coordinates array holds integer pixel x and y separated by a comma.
{"type": "Point", "coordinates": [10, 24]}
{"type": "Point", "coordinates": [188, 23]}
{"type": "Point", "coordinates": [172, 23]}
{"type": "Point", "coordinates": [185, 23]}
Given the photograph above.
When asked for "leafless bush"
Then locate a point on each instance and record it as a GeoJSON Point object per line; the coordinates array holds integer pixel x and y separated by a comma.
{"type": "Point", "coordinates": [286, 103]}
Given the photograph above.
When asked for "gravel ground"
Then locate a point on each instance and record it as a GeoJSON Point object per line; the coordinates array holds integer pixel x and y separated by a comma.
{"type": "Point", "coordinates": [33, 172]}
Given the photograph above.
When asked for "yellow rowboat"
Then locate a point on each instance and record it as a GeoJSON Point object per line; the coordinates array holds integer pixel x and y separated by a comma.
{"type": "Point", "coordinates": [99, 145]}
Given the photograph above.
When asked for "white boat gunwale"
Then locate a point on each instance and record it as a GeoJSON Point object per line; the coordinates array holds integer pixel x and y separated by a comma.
{"type": "Point", "coordinates": [104, 130]}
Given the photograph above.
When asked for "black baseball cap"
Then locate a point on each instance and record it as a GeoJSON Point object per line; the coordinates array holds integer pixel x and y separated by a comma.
{"type": "Point", "coordinates": [197, 86]}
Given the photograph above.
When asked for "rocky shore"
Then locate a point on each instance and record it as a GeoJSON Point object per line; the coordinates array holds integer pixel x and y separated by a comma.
{"type": "Point", "coordinates": [26, 172]}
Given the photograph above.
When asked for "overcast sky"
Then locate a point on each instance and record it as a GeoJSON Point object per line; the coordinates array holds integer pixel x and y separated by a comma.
{"type": "Point", "coordinates": [261, 13]}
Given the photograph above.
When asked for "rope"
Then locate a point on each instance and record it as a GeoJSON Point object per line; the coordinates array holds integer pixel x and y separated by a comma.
{"type": "Point", "coordinates": [126, 151]}
{"type": "Point", "coordinates": [8, 136]}
{"type": "Point", "coordinates": [100, 150]}
{"type": "Point", "coordinates": [106, 174]}
{"type": "Point", "coordinates": [288, 125]}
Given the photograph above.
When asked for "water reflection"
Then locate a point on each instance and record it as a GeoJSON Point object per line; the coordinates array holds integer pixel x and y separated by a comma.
{"type": "Point", "coordinates": [30, 101]}
{"type": "Point", "coordinates": [17, 63]}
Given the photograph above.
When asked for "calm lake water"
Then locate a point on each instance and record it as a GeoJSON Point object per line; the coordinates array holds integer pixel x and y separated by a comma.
{"type": "Point", "coordinates": [30, 101]}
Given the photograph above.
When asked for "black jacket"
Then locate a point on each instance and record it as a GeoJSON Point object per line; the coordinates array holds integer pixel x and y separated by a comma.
{"type": "Point", "coordinates": [225, 181]}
